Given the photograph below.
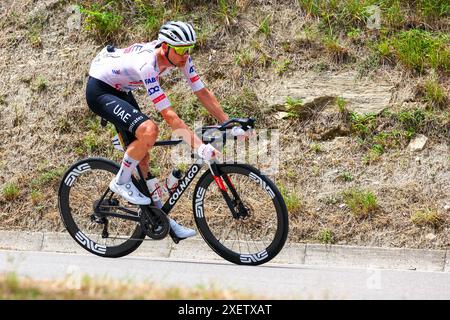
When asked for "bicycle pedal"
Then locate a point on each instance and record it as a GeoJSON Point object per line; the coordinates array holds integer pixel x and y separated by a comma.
{"type": "Point", "coordinates": [175, 239]}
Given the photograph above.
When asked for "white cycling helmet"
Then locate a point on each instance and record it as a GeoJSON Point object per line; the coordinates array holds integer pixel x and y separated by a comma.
{"type": "Point", "coordinates": [177, 33]}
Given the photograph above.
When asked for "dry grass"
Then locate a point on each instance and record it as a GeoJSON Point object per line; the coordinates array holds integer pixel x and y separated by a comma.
{"type": "Point", "coordinates": [13, 287]}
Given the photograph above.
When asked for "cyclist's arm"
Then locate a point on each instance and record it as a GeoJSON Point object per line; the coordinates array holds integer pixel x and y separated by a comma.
{"type": "Point", "coordinates": [204, 95]}
{"type": "Point", "coordinates": [180, 128]}
{"type": "Point", "coordinates": [209, 101]}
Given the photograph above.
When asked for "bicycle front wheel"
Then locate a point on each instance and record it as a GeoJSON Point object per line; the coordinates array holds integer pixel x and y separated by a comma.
{"type": "Point", "coordinates": [257, 229]}
{"type": "Point", "coordinates": [80, 191]}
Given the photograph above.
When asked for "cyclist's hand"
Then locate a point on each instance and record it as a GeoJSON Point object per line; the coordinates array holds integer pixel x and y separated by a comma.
{"type": "Point", "coordinates": [237, 131]}
{"type": "Point", "coordinates": [207, 152]}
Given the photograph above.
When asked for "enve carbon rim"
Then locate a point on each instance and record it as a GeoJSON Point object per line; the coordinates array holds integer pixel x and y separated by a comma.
{"type": "Point", "coordinates": [82, 239]}
{"type": "Point", "coordinates": [282, 227]}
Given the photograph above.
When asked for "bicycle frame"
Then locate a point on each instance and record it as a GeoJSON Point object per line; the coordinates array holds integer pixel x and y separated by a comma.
{"type": "Point", "coordinates": [183, 184]}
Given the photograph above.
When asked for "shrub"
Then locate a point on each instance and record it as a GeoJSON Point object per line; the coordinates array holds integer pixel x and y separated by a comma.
{"type": "Point", "coordinates": [346, 176]}
{"type": "Point", "coordinates": [326, 236]}
{"type": "Point", "coordinates": [11, 191]}
{"type": "Point", "coordinates": [362, 124]}
{"type": "Point", "coordinates": [411, 120]}
{"type": "Point", "coordinates": [293, 202]}
{"type": "Point", "coordinates": [101, 21]}
{"type": "Point", "coordinates": [337, 52]}
{"type": "Point", "coordinates": [426, 218]}
{"type": "Point", "coordinates": [361, 203]}
{"type": "Point", "coordinates": [434, 94]}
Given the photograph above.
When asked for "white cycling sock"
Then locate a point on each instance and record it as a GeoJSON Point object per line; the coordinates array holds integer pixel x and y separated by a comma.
{"type": "Point", "coordinates": [126, 169]}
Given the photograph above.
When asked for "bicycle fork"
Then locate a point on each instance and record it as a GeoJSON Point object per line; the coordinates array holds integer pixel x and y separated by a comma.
{"type": "Point", "coordinates": [232, 204]}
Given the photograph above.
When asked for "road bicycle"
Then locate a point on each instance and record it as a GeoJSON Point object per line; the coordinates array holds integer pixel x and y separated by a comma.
{"type": "Point", "coordinates": [238, 211]}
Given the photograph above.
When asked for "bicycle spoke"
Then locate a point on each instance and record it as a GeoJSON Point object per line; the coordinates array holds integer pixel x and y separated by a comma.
{"type": "Point", "coordinates": [87, 185]}
{"type": "Point", "coordinates": [255, 227]}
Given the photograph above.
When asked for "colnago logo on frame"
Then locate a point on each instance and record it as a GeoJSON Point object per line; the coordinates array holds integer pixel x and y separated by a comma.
{"type": "Point", "coordinates": [249, 258]}
{"type": "Point", "coordinates": [85, 241]}
{"type": "Point", "coordinates": [183, 185]}
{"type": "Point", "coordinates": [75, 173]}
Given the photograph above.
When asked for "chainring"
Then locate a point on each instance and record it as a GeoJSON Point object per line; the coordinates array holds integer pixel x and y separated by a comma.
{"type": "Point", "coordinates": [154, 222]}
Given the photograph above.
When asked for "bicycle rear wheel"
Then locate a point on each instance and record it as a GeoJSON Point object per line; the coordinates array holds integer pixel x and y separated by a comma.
{"type": "Point", "coordinates": [80, 190]}
{"type": "Point", "coordinates": [258, 230]}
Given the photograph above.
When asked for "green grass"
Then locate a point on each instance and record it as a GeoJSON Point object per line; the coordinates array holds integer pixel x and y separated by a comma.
{"type": "Point", "coordinates": [264, 26]}
{"type": "Point", "coordinates": [294, 107]}
{"type": "Point", "coordinates": [101, 21]}
{"type": "Point", "coordinates": [426, 218]}
{"type": "Point", "coordinates": [40, 84]}
{"type": "Point", "coordinates": [418, 50]}
{"type": "Point", "coordinates": [374, 154]}
{"type": "Point", "coordinates": [411, 120]}
{"type": "Point", "coordinates": [34, 36]}
{"type": "Point", "coordinates": [315, 147]}
{"type": "Point", "coordinates": [48, 177]}
{"type": "Point", "coordinates": [349, 14]}
{"type": "Point", "coordinates": [281, 66]}
{"type": "Point", "coordinates": [434, 95]}
{"type": "Point", "coordinates": [245, 58]}
{"type": "Point", "coordinates": [434, 9]}
{"type": "Point", "coordinates": [335, 14]}
{"type": "Point", "coordinates": [36, 196]}
{"type": "Point", "coordinates": [11, 191]}
{"type": "Point", "coordinates": [293, 202]}
{"type": "Point", "coordinates": [346, 176]}
{"type": "Point", "coordinates": [325, 236]}
{"type": "Point", "coordinates": [151, 16]}
{"type": "Point", "coordinates": [362, 125]}
{"type": "Point", "coordinates": [342, 104]}
{"type": "Point", "coordinates": [361, 203]}
{"type": "Point", "coordinates": [226, 11]}
{"type": "Point", "coordinates": [243, 103]}
{"type": "Point", "coordinates": [336, 50]}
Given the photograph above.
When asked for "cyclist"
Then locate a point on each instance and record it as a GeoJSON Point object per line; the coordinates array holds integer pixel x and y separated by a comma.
{"type": "Point", "coordinates": [114, 73]}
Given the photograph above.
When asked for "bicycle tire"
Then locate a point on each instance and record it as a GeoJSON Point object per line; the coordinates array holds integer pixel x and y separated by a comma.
{"type": "Point", "coordinates": [68, 210]}
{"type": "Point", "coordinates": [207, 221]}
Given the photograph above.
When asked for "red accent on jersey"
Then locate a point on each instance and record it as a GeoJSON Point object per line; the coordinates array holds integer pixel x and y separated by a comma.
{"type": "Point", "coordinates": [134, 83]}
{"type": "Point", "coordinates": [194, 79]}
{"type": "Point", "coordinates": [160, 98]}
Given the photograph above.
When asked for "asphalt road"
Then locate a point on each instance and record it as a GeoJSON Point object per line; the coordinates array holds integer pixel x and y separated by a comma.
{"type": "Point", "coordinates": [270, 280]}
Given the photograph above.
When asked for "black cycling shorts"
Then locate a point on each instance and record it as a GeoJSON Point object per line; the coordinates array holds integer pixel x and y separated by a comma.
{"type": "Point", "coordinates": [118, 107]}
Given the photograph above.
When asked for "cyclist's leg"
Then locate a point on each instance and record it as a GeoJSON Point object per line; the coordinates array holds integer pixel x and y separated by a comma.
{"type": "Point", "coordinates": [127, 117]}
{"type": "Point", "coordinates": [114, 107]}
{"type": "Point", "coordinates": [144, 163]}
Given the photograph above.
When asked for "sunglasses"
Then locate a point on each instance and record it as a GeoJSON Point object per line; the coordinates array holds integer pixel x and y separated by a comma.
{"type": "Point", "coordinates": [181, 50]}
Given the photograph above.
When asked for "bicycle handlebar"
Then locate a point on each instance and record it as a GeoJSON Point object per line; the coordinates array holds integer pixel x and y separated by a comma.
{"type": "Point", "coordinates": [246, 124]}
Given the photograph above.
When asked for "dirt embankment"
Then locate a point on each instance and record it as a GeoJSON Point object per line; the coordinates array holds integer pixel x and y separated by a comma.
{"type": "Point", "coordinates": [46, 126]}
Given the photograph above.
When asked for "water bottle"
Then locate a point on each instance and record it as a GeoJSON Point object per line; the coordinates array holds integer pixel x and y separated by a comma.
{"type": "Point", "coordinates": [155, 190]}
{"type": "Point", "coordinates": [172, 180]}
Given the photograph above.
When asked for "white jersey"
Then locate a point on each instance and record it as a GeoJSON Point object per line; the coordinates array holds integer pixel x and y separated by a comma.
{"type": "Point", "coordinates": [129, 68]}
